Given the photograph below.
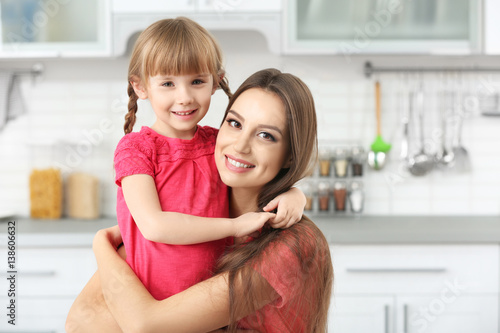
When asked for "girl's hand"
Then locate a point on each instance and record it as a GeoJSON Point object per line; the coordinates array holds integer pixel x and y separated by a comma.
{"type": "Point", "coordinates": [290, 208]}
{"type": "Point", "coordinates": [248, 223]}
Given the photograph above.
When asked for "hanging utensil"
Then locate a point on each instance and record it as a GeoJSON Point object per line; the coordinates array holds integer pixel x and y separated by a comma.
{"type": "Point", "coordinates": [447, 158]}
{"type": "Point", "coordinates": [421, 163]}
{"type": "Point", "coordinates": [462, 159]}
{"type": "Point", "coordinates": [379, 148]}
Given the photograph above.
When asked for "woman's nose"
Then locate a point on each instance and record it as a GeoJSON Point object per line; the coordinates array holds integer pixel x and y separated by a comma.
{"type": "Point", "coordinates": [242, 144]}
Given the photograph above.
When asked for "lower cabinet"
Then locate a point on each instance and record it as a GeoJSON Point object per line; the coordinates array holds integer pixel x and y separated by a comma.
{"type": "Point", "coordinates": [46, 284]}
{"type": "Point", "coordinates": [415, 289]}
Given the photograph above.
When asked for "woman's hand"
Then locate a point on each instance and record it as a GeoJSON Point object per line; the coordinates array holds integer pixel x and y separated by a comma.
{"type": "Point", "coordinates": [110, 235]}
{"type": "Point", "coordinates": [290, 208]}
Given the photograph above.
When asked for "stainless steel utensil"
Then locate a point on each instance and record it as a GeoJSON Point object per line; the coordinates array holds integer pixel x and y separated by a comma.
{"type": "Point", "coordinates": [421, 163]}
{"type": "Point", "coordinates": [462, 159]}
{"type": "Point", "coordinates": [447, 158]}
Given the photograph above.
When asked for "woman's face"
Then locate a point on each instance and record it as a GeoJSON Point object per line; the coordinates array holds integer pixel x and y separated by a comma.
{"type": "Point", "coordinates": [252, 144]}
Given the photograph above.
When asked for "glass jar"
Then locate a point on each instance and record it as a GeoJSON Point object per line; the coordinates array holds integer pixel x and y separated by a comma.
{"type": "Point", "coordinates": [324, 162]}
{"type": "Point", "coordinates": [357, 161]}
{"type": "Point", "coordinates": [324, 196]}
{"type": "Point", "coordinates": [341, 162]}
{"type": "Point", "coordinates": [307, 188]}
{"type": "Point", "coordinates": [356, 196]}
{"type": "Point", "coordinates": [339, 196]}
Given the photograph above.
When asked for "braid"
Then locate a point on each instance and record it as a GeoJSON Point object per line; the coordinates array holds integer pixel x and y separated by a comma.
{"type": "Point", "coordinates": [224, 85]}
{"type": "Point", "coordinates": [132, 110]}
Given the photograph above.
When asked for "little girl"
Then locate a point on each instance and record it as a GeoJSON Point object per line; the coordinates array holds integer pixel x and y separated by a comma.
{"type": "Point", "coordinates": [168, 170]}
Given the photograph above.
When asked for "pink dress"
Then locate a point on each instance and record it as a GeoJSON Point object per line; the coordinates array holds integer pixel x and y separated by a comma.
{"type": "Point", "coordinates": [187, 182]}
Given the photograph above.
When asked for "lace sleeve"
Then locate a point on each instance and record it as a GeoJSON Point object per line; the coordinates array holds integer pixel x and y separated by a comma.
{"type": "Point", "coordinates": [133, 155]}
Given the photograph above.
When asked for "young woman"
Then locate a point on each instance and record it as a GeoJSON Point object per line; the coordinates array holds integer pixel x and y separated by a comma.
{"type": "Point", "coordinates": [279, 281]}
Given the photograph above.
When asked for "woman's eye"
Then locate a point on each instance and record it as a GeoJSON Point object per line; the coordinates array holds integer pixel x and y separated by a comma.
{"type": "Point", "coordinates": [267, 136]}
{"type": "Point", "coordinates": [168, 84]}
{"type": "Point", "coordinates": [233, 123]}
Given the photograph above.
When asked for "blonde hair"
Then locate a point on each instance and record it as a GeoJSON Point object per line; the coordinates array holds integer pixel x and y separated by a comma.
{"type": "Point", "coordinates": [173, 47]}
{"type": "Point", "coordinates": [314, 274]}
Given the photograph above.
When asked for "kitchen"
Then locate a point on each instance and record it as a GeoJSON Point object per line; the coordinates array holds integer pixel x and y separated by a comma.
{"type": "Point", "coordinates": [420, 253]}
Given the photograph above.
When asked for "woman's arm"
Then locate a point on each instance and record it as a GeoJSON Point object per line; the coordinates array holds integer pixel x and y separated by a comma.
{"type": "Point", "coordinates": [201, 308]}
{"type": "Point", "coordinates": [156, 225]}
{"type": "Point", "coordinates": [89, 312]}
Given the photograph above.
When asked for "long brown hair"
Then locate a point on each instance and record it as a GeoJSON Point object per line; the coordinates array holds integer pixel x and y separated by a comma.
{"type": "Point", "coordinates": [173, 47]}
{"type": "Point", "coordinates": [304, 240]}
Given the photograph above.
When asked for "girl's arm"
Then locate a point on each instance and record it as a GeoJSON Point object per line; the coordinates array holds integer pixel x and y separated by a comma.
{"type": "Point", "coordinates": [290, 208]}
{"type": "Point", "coordinates": [156, 225]}
{"type": "Point", "coordinates": [201, 308]}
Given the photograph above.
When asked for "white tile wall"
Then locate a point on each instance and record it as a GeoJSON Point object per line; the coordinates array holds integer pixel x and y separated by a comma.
{"type": "Point", "coordinates": [76, 124]}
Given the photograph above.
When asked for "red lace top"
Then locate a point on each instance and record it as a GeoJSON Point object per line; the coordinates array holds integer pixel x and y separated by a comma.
{"type": "Point", "coordinates": [187, 182]}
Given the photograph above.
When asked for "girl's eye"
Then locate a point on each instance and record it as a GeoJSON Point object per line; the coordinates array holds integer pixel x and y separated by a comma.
{"type": "Point", "coordinates": [198, 81]}
{"type": "Point", "coordinates": [267, 136]}
{"type": "Point", "coordinates": [233, 123]}
{"type": "Point", "coordinates": [168, 84]}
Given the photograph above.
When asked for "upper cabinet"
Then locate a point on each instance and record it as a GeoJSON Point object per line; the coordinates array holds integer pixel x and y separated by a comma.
{"type": "Point", "coordinates": [68, 28]}
{"type": "Point", "coordinates": [491, 27]}
{"type": "Point", "coordinates": [384, 26]}
{"type": "Point", "coordinates": [131, 17]}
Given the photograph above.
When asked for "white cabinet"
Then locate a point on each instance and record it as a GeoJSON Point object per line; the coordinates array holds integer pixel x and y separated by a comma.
{"type": "Point", "coordinates": [131, 17]}
{"type": "Point", "coordinates": [385, 26]}
{"type": "Point", "coordinates": [47, 282]}
{"type": "Point", "coordinates": [76, 28]}
{"type": "Point", "coordinates": [404, 288]}
{"type": "Point", "coordinates": [491, 27]}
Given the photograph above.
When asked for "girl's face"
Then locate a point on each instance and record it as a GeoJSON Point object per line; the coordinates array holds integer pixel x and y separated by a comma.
{"type": "Point", "coordinates": [179, 102]}
{"type": "Point", "coordinates": [252, 144]}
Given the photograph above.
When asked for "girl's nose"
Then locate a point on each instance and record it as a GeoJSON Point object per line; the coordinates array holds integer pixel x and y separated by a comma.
{"type": "Point", "coordinates": [184, 96]}
{"type": "Point", "coordinates": [242, 144]}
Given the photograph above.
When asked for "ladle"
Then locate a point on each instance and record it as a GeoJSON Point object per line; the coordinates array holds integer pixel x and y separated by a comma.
{"type": "Point", "coordinates": [421, 163]}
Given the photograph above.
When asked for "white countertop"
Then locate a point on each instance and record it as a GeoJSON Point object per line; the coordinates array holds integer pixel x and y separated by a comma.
{"type": "Point", "coordinates": [337, 229]}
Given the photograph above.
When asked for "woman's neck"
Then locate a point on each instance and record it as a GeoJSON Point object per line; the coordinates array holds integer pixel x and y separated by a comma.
{"type": "Point", "coordinates": [242, 200]}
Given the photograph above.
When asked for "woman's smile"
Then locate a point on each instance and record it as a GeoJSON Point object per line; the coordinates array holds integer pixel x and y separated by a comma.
{"type": "Point", "coordinates": [252, 142]}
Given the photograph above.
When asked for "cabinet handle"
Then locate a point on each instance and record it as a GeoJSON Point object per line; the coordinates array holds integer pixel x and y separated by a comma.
{"type": "Point", "coordinates": [396, 270]}
{"type": "Point", "coordinates": [386, 318]}
{"type": "Point", "coordinates": [405, 318]}
{"type": "Point", "coordinates": [33, 273]}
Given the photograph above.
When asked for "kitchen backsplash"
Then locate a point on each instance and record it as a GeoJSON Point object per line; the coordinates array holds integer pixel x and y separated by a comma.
{"type": "Point", "coordinates": [74, 124]}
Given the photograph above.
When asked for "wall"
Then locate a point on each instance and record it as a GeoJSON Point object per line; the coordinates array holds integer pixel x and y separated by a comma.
{"type": "Point", "coordinates": [75, 117]}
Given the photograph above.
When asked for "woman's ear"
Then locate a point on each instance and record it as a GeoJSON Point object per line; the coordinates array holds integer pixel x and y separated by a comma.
{"type": "Point", "coordinates": [287, 163]}
{"type": "Point", "coordinates": [139, 88]}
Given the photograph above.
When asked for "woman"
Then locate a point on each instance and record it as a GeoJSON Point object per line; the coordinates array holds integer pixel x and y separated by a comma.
{"type": "Point", "coordinates": [279, 281]}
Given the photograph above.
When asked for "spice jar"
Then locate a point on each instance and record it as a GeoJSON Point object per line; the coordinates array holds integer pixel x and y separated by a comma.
{"type": "Point", "coordinates": [307, 189]}
{"type": "Point", "coordinates": [356, 196]}
{"type": "Point", "coordinates": [341, 162]}
{"type": "Point", "coordinates": [324, 196]}
{"type": "Point", "coordinates": [324, 162]}
{"type": "Point", "coordinates": [357, 160]}
{"type": "Point", "coordinates": [339, 196]}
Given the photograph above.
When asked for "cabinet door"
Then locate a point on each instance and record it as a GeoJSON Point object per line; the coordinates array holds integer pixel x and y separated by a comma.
{"type": "Point", "coordinates": [491, 26]}
{"type": "Point", "coordinates": [361, 314]}
{"type": "Point", "coordinates": [152, 6]}
{"type": "Point", "coordinates": [32, 28]}
{"type": "Point", "coordinates": [383, 26]}
{"type": "Point", "coordinates": [37, 315]}
{"type": "Point", "coordinates": [448, 312]}
{"type": "Point", "coordinates": [254, 6]}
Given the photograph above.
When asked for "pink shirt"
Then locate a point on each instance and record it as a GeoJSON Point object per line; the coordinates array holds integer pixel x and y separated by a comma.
{"type": "Point", "coordinates": [187, 182]}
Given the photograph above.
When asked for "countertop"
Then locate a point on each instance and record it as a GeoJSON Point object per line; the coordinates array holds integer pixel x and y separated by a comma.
{"type": "Point", "coordinates": [337, 229]}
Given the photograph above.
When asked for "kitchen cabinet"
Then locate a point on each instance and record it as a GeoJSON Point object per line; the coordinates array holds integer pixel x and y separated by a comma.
{"type": "Point", "coordinates": [48, 281]}
{"type": "Point", "coordinates": [131, 17]}
{"type": "Point", "coordinates": [385, 26]}
{"type": "Point", "coordinates": [77, 28]}
{"type": "Point", "coordinates": [404, 288]}
{"type": "Point", "coordinates": [491, 27]}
